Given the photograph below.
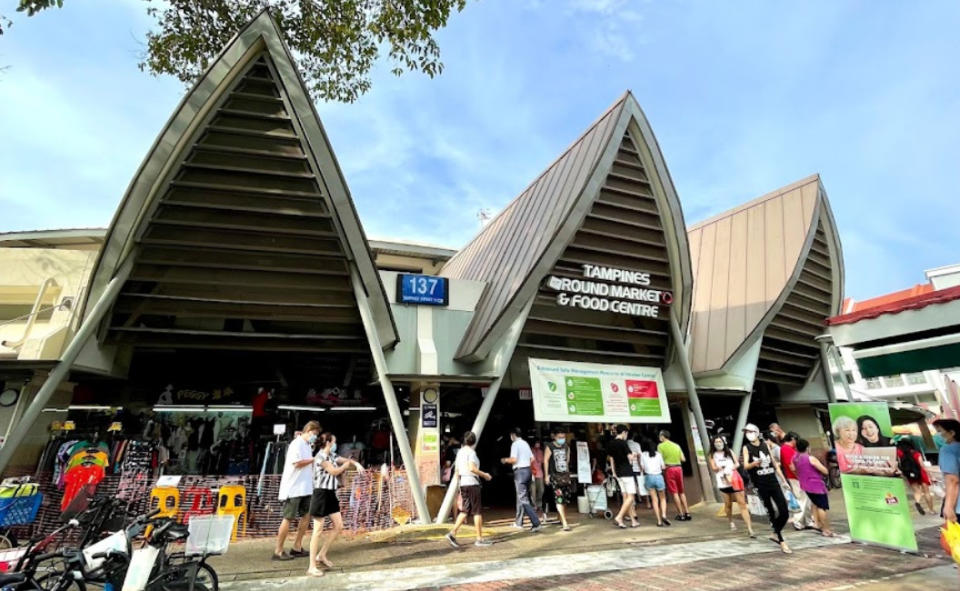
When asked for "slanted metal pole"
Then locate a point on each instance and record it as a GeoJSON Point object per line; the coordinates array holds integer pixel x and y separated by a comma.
{"type": "Point", "coordinates": [513, 335]}
{"type": "Point", "coordinates": [396, 418]}
{"type": "Point", "coordinates": [741, 422]}
{"type": "Point", "coordinates": [824, 341]}
{"type": "Point", "coordinates": [694, 397]}
{"type": "Point", "coordinates": [87, 330]}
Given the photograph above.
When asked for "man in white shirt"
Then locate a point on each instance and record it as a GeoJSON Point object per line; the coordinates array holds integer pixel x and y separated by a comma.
{"type": "Point", "coordinates": [296, 488]}
{"type": "Point", "coordinates": [520, 457]}
{"type": "Point", "coordinates": [467, 469]}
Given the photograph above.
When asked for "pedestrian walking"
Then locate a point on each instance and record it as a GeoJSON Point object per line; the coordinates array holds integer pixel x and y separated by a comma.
{"type": "Point", "coordinates": [618, 455]}
{"type": "Point", "coordinates": [765, 475]}
{"type": "Point", "coordinates": [804, 518]}
{"type": "Point", "coordinates": [521, 456]}
{"type": "Point", "coordinates": [636, 451]}
{"type": "Point", "coordinates": [949, 462]}
{"type": "Point", "coordinates": [537, 485]}
{"type": "Point", "coordinates": [328, 467]}
{"type": "Point", "coordinates": [810, 472]}
{"type": "Point", "coordinates": [726, 467]}
{"type": "Point", "coordinates": [673, 457]}
{"type": "Point", "coordinates": [467, 467]}
{"type": "Point", "coordinates": [556, 459]}
{"type": "Point", "coordinates": [296, 488]}
{"type": "Point", "coordinates": [652, 464]}
{"type": "Point", "coordinates": [910, 462]}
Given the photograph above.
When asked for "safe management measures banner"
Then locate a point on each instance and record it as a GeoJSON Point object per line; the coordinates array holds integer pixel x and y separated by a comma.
{"type": "Point", "coordinates": [566, 391]}
{"type": "Point", "coordinates": [873, 491]}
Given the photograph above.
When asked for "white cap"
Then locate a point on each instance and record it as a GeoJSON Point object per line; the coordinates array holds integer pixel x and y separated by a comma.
{"type": "Point", "coordinates": [751, 427]}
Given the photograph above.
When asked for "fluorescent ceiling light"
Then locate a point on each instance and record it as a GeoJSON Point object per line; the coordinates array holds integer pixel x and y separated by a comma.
{"type": "Point", "coordinates": [229, 407]}
{"type": "Point", "coordinates": [90, 407]}
{"type": "Point", "coordinates": [298, 407]}
{"type": "Point", "coordinates": [353, 408]}
{"type": "Point", "coordinates": [182, 408]}
{"type": "Point", "coordinates": [55, 410]}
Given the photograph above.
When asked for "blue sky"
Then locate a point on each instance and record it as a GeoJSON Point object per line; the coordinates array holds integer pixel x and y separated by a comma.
{"type": "Point", "coordinates": [744, 98]}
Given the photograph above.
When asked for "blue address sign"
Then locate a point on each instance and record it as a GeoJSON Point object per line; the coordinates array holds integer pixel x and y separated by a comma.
{"type": "Point", "coordinates": [422, 289]}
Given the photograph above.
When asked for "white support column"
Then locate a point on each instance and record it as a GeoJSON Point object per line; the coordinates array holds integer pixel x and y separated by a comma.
{"type": "Point", "coordinates": [390, 396]}
{"type": "Point", "coordinates": [824, 341]}
{"type": "Point", "coordinates": [87, 330]}
{"type": "Point", "coordinates": [678, 343]}
{"type": "Point", "coordinates": [741, 422]}
{"type": "Point", "coordinates": [503, 364]}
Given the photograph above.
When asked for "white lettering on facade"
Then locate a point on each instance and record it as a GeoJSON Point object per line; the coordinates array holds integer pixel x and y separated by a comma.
{"type": "Point", "coordinates": [629, 293]}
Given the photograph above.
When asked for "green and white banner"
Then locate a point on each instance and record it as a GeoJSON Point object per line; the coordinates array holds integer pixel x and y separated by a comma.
{"type": "Point", "coordinates": [566, 391]}
{"type": "Point", "coordinates": [874, 493]}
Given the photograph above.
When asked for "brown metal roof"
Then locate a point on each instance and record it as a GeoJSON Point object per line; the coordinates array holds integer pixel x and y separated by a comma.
{"type": "Point", "coordinates": [752, 261]}
{"type": "Point", "coordinates": [517, 248]}
{"type": "Point", "coordinates": [240, 223]}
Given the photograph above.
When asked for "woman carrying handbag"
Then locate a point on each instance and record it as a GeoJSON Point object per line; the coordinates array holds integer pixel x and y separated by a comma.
{"type": "Point", "coordinates": [724, 464]}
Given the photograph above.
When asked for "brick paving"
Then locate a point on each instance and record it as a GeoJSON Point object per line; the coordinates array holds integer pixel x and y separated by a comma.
{"type": "Point", "coordinates": [805, 570]}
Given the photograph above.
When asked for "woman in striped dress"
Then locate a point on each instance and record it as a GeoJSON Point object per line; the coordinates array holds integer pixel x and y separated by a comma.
{"type": "Point", "coordinates": [328, 467]}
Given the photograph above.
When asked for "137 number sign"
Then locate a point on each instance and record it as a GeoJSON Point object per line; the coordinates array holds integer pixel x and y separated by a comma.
{"type": "Point", "coordinates": [422, 289]}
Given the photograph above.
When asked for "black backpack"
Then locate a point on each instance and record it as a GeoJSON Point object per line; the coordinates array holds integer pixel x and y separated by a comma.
{"type": "Point", "coordinates": [909, 466]}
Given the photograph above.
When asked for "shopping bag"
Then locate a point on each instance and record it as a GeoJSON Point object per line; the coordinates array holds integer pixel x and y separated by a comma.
{"type": "Point", "coordinates": [950, 540]}
{"type": "Point", "coordinates": [736, 481]}
{"type": "Point", "coordinates": [793, 505]}
{"type": "Point", "coordinates": [755, 505]}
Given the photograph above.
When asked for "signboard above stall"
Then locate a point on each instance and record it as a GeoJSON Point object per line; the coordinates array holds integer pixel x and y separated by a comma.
{"type": "Point", "coordinates": [566, 391]}
{"type": "Point", "coordinates": [422, 289]}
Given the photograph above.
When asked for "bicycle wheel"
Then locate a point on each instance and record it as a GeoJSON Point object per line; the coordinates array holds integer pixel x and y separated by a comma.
{"type": "Point", "coordinates": [60, 582]}
{"type": "Point", "coordinates": [205, 579]}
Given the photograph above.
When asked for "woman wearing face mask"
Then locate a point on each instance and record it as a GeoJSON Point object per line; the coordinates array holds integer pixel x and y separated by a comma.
{"type": "Point", "coordinates": [725, 465]}
{"type": "Point", "coordinates": [766, 476]}
{"type": "Point", "coordinates": [328, 467]}
{"type": "Point", "coordinates": [556, 467]}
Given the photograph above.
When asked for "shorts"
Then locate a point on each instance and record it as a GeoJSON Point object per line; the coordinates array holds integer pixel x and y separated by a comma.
{"type": "Point", "coordinates": [469, 502]}
{"type": "Point", "coordinates": [563, 490]}
{"type": "Point", "coordinates": [324, 502]}
{"type": "Point", "coordinates": [674, 480]}
{"type": "Point", "coordinates": [654, 482]}
{"type": "Point", "coordinates": [296, 507]}
{"type": "Point", "coordinates": [628, 485]}
{"type": "Point", "coordinates": [821, 500]}
{"type": "Point", "coordinates": [728, 490]}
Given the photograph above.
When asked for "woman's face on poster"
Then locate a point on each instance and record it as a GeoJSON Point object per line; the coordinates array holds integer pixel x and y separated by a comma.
{"type": "Point", "coordinates": [848, 433]}
{"type": "Point", "coordinates": [870, 431]}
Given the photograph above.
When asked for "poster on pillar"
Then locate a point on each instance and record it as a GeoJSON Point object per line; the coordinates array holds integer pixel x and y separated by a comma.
{"type": "Point", "coordinates": [568, 391]}
{"type": "Point", "coordinates": [874, 492]}
{"type": "Point", "coordinates": [427, 451]}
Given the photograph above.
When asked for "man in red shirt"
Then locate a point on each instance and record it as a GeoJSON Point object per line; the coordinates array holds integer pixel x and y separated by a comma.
{"type": "Point", "coordinates": [788, 451]}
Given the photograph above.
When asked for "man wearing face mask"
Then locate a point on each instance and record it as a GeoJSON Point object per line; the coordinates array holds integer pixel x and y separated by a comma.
{"type": "Point", "coordinates": [556, 462]}
{"type": "Point", "coordinates": [296, 488]}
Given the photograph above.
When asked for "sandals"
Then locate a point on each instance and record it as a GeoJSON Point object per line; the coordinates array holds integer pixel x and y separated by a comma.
{"type": "Point", "coordinates": [619, 524]}
{"type": "Point", "coordinates": [314, 572]}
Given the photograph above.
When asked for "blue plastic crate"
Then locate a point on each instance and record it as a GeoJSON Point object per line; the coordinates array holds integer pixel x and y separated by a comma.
{"type": "Point", "coordinates": [19, 510]}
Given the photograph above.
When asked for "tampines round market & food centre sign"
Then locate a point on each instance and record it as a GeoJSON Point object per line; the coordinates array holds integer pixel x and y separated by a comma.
{"type": "Point", "coordinates": [608, 289]}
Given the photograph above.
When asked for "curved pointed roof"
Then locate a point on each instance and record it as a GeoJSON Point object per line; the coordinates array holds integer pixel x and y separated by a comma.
{"type": "Point", "coordinates": [614, 179]}
{"type": "Point", "coordinates": [239, 220]}
{"type": "Point", "coordinates": [773, 269]}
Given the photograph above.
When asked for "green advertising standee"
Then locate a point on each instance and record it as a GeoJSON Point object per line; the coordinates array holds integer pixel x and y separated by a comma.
{"type": "Point", "coordinates": [565, 391]}
{"type": "Point", "coordinates": [874, 493]}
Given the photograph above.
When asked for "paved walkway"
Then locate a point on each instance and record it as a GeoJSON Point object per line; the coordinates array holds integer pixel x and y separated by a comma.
{"type": "Point", "coordinates": [558, 567]}
{"type": "Point", "coordinates": [702, 554]}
